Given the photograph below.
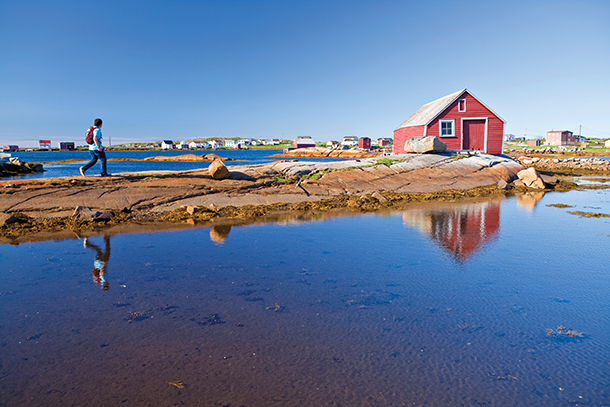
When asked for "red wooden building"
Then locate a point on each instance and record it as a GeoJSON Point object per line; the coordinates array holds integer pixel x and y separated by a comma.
{"type": "Point", "coordinates": [459, 120]}
{"type": "Point", "coordinates": [364, 143]}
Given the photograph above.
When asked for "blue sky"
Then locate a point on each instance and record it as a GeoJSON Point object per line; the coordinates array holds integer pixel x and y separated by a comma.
{"type": "Point", "coordinates": [184, 69]}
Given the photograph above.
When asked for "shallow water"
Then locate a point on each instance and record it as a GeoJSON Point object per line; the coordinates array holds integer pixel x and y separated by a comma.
{"type": "Point", "coordinates": [441, 304]}
{"type": "Point", "coordinates": [245, 157]}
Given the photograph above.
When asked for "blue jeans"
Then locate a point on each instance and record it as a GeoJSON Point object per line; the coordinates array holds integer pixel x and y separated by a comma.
{"type": "Point", "coordinates": [95, 155]}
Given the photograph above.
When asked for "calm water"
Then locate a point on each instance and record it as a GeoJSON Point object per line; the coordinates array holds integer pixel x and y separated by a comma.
{"type": "Point", "coordinates": [71, 169]}
{"type": "Point", "coordinates": [439, 305]}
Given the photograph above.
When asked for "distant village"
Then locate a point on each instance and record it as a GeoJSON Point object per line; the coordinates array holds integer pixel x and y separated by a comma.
{"type": "Point", "coordinates": [228, 143]}
{"type": "Point", "coordinates": [555, 138]}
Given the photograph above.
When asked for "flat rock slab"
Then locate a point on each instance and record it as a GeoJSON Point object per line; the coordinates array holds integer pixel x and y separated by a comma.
{"type": "Point", "coordinates": [256, 184]}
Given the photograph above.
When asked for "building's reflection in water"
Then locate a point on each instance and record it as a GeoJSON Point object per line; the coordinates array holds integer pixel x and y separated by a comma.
{"type": "Point", "coordinates": [219, 233]}
{"type": "Point", "coordinates": [461, 229]}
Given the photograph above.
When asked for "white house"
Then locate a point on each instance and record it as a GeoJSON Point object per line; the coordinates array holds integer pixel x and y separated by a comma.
{"type": "Point", "coordinates": [167, 145]}
{"type": "Point", "coordinates": [182, 145]}
{"type": "Point", "coordinates": [216, 143]}
{"type": "Point", "coordinates": [350, 141]}
{"type": "Point", "coordinates": [272, 142]}
{"type": "Point", "coordinates": [194, 144]}
{"type": "Point", "coordinates": [230, 143]}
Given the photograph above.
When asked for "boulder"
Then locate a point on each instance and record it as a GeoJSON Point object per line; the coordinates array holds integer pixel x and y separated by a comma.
{"type": "Point", "coordinates": [531, 178]}
{"type": "Point", "coordinates": [6, 219]}
{"type": "Point", "coordinates": [518, 183]}
{"type": "Point", "coordinates": [428, 144]}
{"type": "Point", "coordinates": [212, 157]}
{"type": "Point", "coordinates": [190, 209]}
{"type": "Point", "coordinates": [218, 170]}
{"type": "Point", "coordinates": [379, 197]}
{"type": "Point", "coordinates": [502, 184]}
{"type": "Point", "coordinates": [103, 216]}
{"type": "Point", "coordinates": [83, 213]}
{"type": "Point", "coordinates": [549, 179]}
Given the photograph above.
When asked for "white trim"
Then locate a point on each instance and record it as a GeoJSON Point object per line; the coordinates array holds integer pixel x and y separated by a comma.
{"type": "Point", "coordinates": [457, 97]}
{"type": "Point", "coordinates": [462, 130]}
{"type": "Point", "coordinates": [459, 102]}
{"type": "Point", "coordinates": [440, 127]}
{"type": "Point", "coordinates": [486, 107]}
{"type": "Point", "coordinates": [425, 130]}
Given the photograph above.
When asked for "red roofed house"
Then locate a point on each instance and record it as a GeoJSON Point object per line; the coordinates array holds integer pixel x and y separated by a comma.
{"type": "Point", "coordinates": [459, 120]}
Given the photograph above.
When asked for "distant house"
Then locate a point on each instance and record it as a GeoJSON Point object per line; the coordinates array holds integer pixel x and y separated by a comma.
{"type": "Point", "coordinates": [44, 144]}
{"type": "Point", "coordinates": [167, 145]}
{"type": "Point", "coordinates": [66, 145]}
{"type": "Point", "coordinates": [194, 144]}
{"type": "Point", "coordinates": [364, 143]}
{"type": "Point", "coordinates": [10, 148]}
{"type": "Point", "coordinates": [349, 141]}
{"type": "Point", "coordinates": [459, 120]}
{"type": "Point", "coordinates": [303, 142]}
{"type": "Point", "coordinates": [561, 138]}
{"type": "Point", "coordinates": [216, 143]}
{"type": "Point", "coordinates": [230, 143]}
{"type": "Point", "coordinates": [384, 141]}
{"type": "Point", "coordinates": [332, 144]}
{"type": "Point", "coordinates": [533, 143]}
{"type": "Point", "coordinates": [607, 143]}
{"type": "Point", "coordinates": [182, 145]}
{"type": "Point", "coordinates": [272, 142]}
{"type": "Point", "coordinates": [509, 137]}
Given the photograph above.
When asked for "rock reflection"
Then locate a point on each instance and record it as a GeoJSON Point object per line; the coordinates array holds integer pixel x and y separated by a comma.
{"type": "Point", "coordinates": [460, 229]}
{"type": "Point", "coordinates": [529, 199]}
{"type": "Point", "coordinates": [219, 233]}
{"type": "Point", "coordinates": [101, 262]}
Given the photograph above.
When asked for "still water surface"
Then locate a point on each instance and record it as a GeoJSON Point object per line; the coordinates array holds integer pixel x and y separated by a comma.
{"type": "Point", "coordinates": [438, 305]}
{"type": "Point", "coordinates": [244, 157]}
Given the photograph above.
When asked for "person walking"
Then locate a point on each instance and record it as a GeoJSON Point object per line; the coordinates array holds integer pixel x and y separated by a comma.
{"type": "Point", "coordinates": [96, 150]}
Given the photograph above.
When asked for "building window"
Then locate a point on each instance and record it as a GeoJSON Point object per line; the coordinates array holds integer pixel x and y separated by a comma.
{"type": "Point", "coordinates": [462, 105]}
{"type": "Point", "coordinates": [447, 128]}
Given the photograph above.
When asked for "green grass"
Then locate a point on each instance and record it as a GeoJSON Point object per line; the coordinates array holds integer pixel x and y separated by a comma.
{"type": "Point", "coordinates": [313, 176]}
{"type": "Point", "coordinates": [387, 161]}
{"type": "Point", "coordinates": [282, 180]}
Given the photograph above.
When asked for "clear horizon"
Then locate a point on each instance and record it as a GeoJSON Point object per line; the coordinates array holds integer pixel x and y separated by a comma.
{"type": "Point", "coordinates": [271, 69]}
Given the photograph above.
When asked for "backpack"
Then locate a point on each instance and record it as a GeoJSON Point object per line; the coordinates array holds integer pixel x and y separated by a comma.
{"type": "Point", "coordinates": [89, 135]}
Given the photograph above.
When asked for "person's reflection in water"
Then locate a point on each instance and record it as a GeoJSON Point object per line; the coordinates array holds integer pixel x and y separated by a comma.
{"type": "Point", "coordinates": [101, 262]}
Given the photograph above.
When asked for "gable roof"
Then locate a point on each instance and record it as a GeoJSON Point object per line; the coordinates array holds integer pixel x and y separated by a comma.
{"type": "Point", "coordinates": [430, 111]}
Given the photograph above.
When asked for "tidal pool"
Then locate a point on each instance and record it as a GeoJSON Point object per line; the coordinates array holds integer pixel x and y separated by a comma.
{"type": "Point", "coordinates": [483, 303]}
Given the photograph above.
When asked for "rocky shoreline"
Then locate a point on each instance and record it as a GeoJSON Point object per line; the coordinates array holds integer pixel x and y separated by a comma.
{"type": "Point", "coordinates": [44, 207]}
{"type": "Point", "coordinates": [10, 166]}
{"type": "Point", "coordinates": [567, 165]}
{"type": "Point", "coordinates": [320, 152]}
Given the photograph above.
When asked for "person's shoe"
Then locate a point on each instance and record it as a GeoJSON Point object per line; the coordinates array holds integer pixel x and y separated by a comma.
{"type": "Point", "coordinates": [106, 175]}
{"type": "Point", "coordinates": [81, 171]}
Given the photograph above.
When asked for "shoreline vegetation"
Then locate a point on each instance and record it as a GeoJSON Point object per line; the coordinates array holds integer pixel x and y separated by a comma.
{"type": "Point", "coordinates": [285, 190]}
